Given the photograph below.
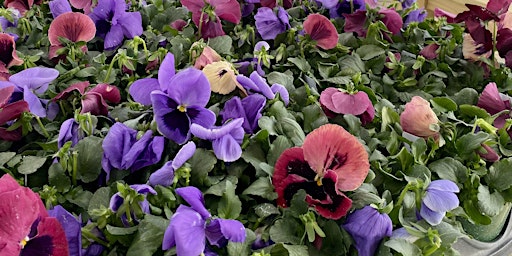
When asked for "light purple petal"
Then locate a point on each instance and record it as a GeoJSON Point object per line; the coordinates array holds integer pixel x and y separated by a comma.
{"type": "Point", "coordinates": [138, 156]}
{"type": "Point", "coordinates": [102, 10]}
{"type": "Point", "coordinates": [249, 108]}
{"type": "Point", "coordinates": [58, 7]}
{"type": "Point", "coordinates": [217, 132]}
{"type": "Point", "coordinates": [34, 103]}
{"type": "Point", "coordinates": [277, 88]}
{"type": "Point", "coordinates": [143, 189]}
{"type": "Point", "coordinates": [185, 153]}
{"type": "Point", "coordinates": [187, 229]}
{"type": "Point", "coordinates": [117, 143]}
{"type": "Point", "coordinates": [432, 217]}
{"type": "Point", "coordinates": [72, 227]}
{"type": "Point", "coordinates": [443, 185]}
{"type": "Point", "coordinates": [440, 201]}
{"type": "Point", "coordinates": [141, 90]}
{"type": "Point", "coordinates": [114, 38]}
{"type": "Point", "coordinates": [263, 86]}
{"type": "Point", "coordinates": [227, 149]}
{"type": "Point", "coordinates": [194, 197]}
{"type": "Point", "coordinates": [267, 24]}
{"type": "Point", "coordinates": [131, 22]}
{"type": "Point", "coordinates": [169, 239]}
{"type": "Point", "coordinates": [36, 78]}
{"type": "Point", "coordinates": [68, 132]}
{"type": "Point", "coordinates": [166, 71]}
{"type": "Point", "coordinates": [261, 44]}
{"type": "Point", "coordinates": [163, 176]}
{"type": "Point", "coordinates": [247, 83]}
{"type": "Point", "coordinates": [190, 87]}
{"type": "Point", "coordinates": [220, 231]}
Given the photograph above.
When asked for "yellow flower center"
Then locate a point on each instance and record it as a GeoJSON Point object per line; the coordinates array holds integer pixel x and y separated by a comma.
{"type": "Point", "coordinates": [182, 108]}
{"type": "Point", "coordinates": [318, 180]}
{"type": "Point", "coordinates": [24, 242]}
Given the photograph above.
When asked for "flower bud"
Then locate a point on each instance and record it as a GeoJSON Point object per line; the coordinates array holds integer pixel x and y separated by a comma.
{"type": "Point", "coordinates": [419, 119]}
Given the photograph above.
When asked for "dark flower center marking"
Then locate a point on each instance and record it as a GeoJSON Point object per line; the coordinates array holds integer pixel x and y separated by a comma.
{"type": "Point", "coordinates": [300, 168]}
{"type": "Point", "coordinates": [338, 161]}
{"type": "Point", "coordinates": [6, 49]}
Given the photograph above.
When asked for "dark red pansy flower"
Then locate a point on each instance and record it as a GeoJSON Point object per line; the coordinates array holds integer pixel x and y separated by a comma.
{"type": "Point", "coordinates": [95, 99]}
{"type": "Point", "coordinates": [26, 228]}
{"type": "Point", "coordinates": [21, 5]}
{"type": "Point", "coordinates": [10, 111]}
{"type": "Point", "coordinates": [73, 26]}
{"type": "Point", "coordinates": [355, 22]}
{"type": "Point", "coordinates": [430, 51]}
{"type": "Point", "coordinates": [209, 21]}
{"type": "Point", "coordinates": [321, 29]}
{"type": "Point", "coordinates": [273, 3]}
{"type": "Point", "coordinates": [330, 161]}
{"type": "Point", "coordinates": [392, 20]}
{"type": "Point", "coordinates": [8, 56]}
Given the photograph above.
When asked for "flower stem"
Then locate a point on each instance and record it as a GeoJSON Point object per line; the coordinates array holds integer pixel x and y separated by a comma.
{"type": "Point", "coordinates": [42, 127]}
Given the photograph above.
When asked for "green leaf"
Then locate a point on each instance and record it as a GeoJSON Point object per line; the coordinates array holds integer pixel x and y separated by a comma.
{"type": "Point", "coordinates": [339, 80]}
{"type": "Point", "coordinates": [301, 63]}
{"type": "Point", "coordinates": [389, 117]}
{"type": "Point", "coordinates": [404, 247]}
{"type": "Point", "coordinates": [90, 154]}
{"type": "Point", "coordinates": [100, 198]}
{"type": "Point", "coordinates": [450, 169]}
{"type": "Point", "coordinates": [314, 117]}
{"type": "Point", "coordinates": [30, 164]}
{"type": "Point", "coordinates": [467, 96]}
{"type": "Point", "coordinates": [149, 236]}
{"type": "Point", "coordinates": [264, 210]}
{"type": "Point", "coordinates": [443, 104]}
{"type": "Point", "coordinates": [370, 51]}
{"type": "Point", "coordinates": [469, 142]}
{"type": "Point", "coordinates": [474, 213]}
{"type": "Point", "coordinates": [201, 163]}
{"type": "Point", "coordinates": [419, 151]}
{"type": "Point", "coordinates": [57, 177]}
{"type": "Point", "coordinates": [230, 205]}
{"type": "Point", "coordinates": [351, 64]}
{"type": "Point", "coordinates": [490, 204]}
{"type": "Point", "coordinates": [289, 250]}
{"type": "Point", "coordinates": [499, 176]}
{"type": "Point", "coordinates": [117, 231]}
{"type": "Point", "coordinates": [221, 44]}
{"type": "Point", "coordinates": [261, 187]}
{"type": "Point", "coordinates": [237, 249]}
{"type": "Point", "coordinates": [5, 157]}
{"type": "Point", "coordinates": [473, 111]}
{"type": "Point", "coordinates": [287, 230]}
{"type": "Point", "coordinates": [280, 144]}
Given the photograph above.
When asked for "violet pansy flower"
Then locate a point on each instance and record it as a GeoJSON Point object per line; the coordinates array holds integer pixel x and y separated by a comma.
{"type": "Point", "coordinates": [72, 228]}
{"type": "Point", "coordinates": [69, 131]}
{"type": "Point", "coordinates": [255, 83]}
{"type": "Point", "coordinates": [248, 108]}
{"type": "Point", "coordinates": [269, 25]}
{"type": "Point", "coordinates": [113, 23]}
{"type": "Point", "coordinates": [368, 227]}
{"type": "Point", "coordinates": [192, 225]}
{"type": "Point", "coordinates": [439, 198]}
{"type": "Point", "coordinates": [58, 7]}
{"type": "Point", "coordinates": [122, 150]}
{"type": "Point", "coordinates": [226, 139]}
{"type": "Point", "coordinates": [417, 15]}
{"type": "Point", "coordinates": [117, 200]}
{"type": "Point", "coordinates": [165, 175]}
{"type": "Point", "coordinates": [30, 82]}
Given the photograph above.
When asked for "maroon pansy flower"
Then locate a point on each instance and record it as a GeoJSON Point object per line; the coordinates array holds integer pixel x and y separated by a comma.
{"type": "Point", "coordinates": [73, 26]}
{"type": "Point", "coordinates": [95, 99]}
{"type": "Point", "coordinates": [208, 19]}
{"type": "Point", "coordinates": [358, 104]}
{"type": "Point", "coordinates": [25, 226]}
{"type": "Point", "coordinates": [494, 102]}
{"type": "Point", "coordinates": [355, 22]}
{"type": "Point", "coordinates": [321, 29]}
{"type": "Point", "coordinates": [330, 161]}
{"type": "Point", "coordinates": [392, 20]}
{"type": "Point", "coordinates": [9, 112]}
{"type": "Point", "coordinates": [21, 5]}
{"type": "Point", "coordinates": [8, 56]}
{"type": "Point", "coordinates": [430, 51]}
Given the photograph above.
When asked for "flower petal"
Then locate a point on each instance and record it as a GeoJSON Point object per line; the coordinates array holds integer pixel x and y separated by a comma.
{"type": "Point", "coordinates": [354, 104]}
{"type": "Point", "coordinates": [108, 92]}
{"type": "Point", "coordinates": [34, 103]}
{"type": "Point", "coordinates": [443, 185]}
{"type": "Point", "coordinates": [187, 229]}
{"type": "Point", "coordinates": [163, 176]}
{"type": "Point", "coordinates": [131, 22]}
{"type": "Point", "coordinates": [36, 78]}
{"type": "Point", "coordinates": [283, 92]}
{"type": "Point", "coordinates": [50, 239]}
{"type": "Point", "coordinates": [113, 38]}
{"type": "Point", "coordinates": [432, 217]}
{"type": "Point", "coordinates": [141, 90]}
{"type": "Point", "coordinates": [185, 153]}
{"type": "Point", "coordinates": [217, 132]}
{"type": "Point", "coordinates": [58, 7]}
{"type": "Point", "coordinates": [190, 87]}
{"type": "Point", "coordinates": [72, 228]}
{"type": "Point", "coordinates": [194, 197]}
{"type": "Point", "coordinates": [321, 30]}
{"type": "Point", "coordinates": [166, 72]}
{"type": "Point", "coordinates": [13, 111]}
{"type": "Point", "coordinates": [80, 87]}
{"type": "Point", "coordinates": [220, 231]}
{"type": "Point", "coordinates": [440, 201]}
{"type": "Point", "coordinates": [227, 149]}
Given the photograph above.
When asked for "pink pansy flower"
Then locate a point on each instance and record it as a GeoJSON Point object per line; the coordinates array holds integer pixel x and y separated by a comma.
{"type": "Point", "coordinates": [419, 119]}
{"type": "Point", "coordinates": [95, 99]}
{"type": "Point", "coordinates": [321, 29]}
{"type": "Point", "coordinates": [494, 102]}
{"type": "Point", "coordinates": [207, 14]}
{"type": "Point", "coordinates": [73, 26]}
{"type": "Point", "coordinates": [340, 102]}
{"type": "Point", "coordinates": [429, 51]}
{"type": "Point", "coordinates": [208, 56]}
{"type": "Point", "coordinates": [85, 5]}
{"type": "Point", "coordinates": [25, 226]}
{"type": "Point", "coordinates": [21, 5]}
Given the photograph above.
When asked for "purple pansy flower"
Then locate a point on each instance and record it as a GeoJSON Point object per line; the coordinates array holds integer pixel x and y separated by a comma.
{"type": "Point", "coordinates": [345, 7]}
{"type": "Point", "coordinates": [72, 227]}
{"type": "Point", "coordinates": [30, 82]}
{"type": "Point", "coordinates": [368, 227]}
{"type": "Point", "coordinates": [439, 198]}
{"type": "Point", "coordinates": [116, 200]}
{"type": "Point", "coordinates": [182, 105]}
{"type": "Point", "coordinates": [417, 15]}
{"type": "Point", "coordinates": [248, 108]}
{"type": "Point", "coordinates": [226, 139]}
{"type": "Point", "coordinates": [113, 23]}
{"type": "Point", "coordinates": [165, 175]}
{"type": "Point", "coordinates": [191, 225]}
{"type": "Point", "coordinates": [269, 25]}
{"type": "Point", "coordinates": [69, 131]}
{"type": "Point", "coordinates": [58, 7]}
{"type": "Point", "coordinates": [407, 3]}
{"type": "Point", "coordinates": [255, 83]}
{"type": "Point", "coordinates": [122, 150]}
